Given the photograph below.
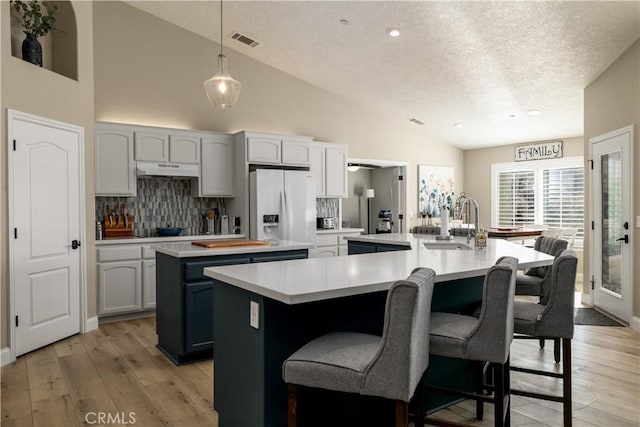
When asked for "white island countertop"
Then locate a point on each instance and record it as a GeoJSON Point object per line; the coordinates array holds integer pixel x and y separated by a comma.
{"type": "Point", "coordinates": [315, 279]}
{"type": "Point", "coordinates": [188, 250]}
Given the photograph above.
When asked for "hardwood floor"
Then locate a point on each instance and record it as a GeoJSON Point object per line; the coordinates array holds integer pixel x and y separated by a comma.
{"type": "Point", "coordinates": [117, 370]}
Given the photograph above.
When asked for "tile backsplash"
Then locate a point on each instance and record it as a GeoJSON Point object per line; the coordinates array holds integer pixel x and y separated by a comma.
{"type": "Point", "coordinates": [162, 202]}
{"type": "Point", "coordinates": [327, 208]}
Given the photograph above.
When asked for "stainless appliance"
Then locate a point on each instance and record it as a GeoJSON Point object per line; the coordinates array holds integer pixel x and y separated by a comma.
{"type": "Point", "coordinates": [384, 221]}
{"type": "Point", "coordinates": [282, 205]}
{"type": "Point", "coordinates": [325, 223]}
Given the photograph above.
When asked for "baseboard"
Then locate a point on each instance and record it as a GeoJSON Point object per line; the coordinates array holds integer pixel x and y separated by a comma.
{"type": "Point", "coordinates": [635, 323]}
{"type": "Point", "coordinates": [5, 356]}
{"type": "Point", "coordinates": [586, 299]}
{"type": "Point", "coordinates": [92, 324]}
{"type": "Point", "coordinates": [128, 316]}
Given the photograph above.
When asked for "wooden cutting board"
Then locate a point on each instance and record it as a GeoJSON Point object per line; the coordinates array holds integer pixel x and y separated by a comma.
{"type": "Point", "coordinates": [230, 243]}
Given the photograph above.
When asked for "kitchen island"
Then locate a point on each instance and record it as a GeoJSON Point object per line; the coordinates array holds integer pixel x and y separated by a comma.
{"type": "Point", "coordinates": [184, 308]}
{"type": "Point", "coordinates": [300, 300]}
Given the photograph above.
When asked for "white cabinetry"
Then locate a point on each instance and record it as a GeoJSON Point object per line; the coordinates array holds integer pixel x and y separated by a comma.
{"type": "Point", "coordinates": [216, 169]}
{"type": "Point", "coordinates": [332, 242]}
{"type": "Point", "coordinates": [152, 146]}
{"type": "Point", "coordinates": [115, 168]}
{"type": "Point", "coordinates": [278, 150]}
{"type": "Point", "coordinates": [126, 281]}
{"type": "Point", "coordinates": [184, 147]}
{"type": "Point", "coordinates": [329, 167]}
{"type": "Point", "coordinates": [164, 146]}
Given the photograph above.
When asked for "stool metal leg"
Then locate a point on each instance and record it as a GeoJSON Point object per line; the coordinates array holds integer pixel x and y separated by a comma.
{"type": "Point", "coordinates": [556, 349]}
{"type": "Point", "coordinates": [498, 395]}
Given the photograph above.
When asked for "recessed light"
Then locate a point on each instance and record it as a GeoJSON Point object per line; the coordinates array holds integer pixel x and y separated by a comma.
{"type": "Point", "coordinates": [511, 116]}
{"type": "Point", "coordinates": [534, 112]}
{"type": "Point", "coordinates": [344, 22]}
{"type": "Point", "coordinates": [457, 125]}
{"type": "Point", "coordinates": [393, 32]}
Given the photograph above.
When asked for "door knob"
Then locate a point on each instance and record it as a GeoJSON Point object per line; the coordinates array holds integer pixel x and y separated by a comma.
{"type": "Point", "coordinates": [625, 238]}
{"type": "Point", "coordinates": [75, 244]}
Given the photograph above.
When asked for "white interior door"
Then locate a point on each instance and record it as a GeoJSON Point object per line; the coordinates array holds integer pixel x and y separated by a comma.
{"type": "Point", "coordinates": [45, 216]}
{"type": "Point", "coordinates": [612, 248]}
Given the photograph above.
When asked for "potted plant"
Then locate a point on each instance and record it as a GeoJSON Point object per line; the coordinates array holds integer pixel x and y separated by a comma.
{"type": "Point", "coordinates": [36, 24]}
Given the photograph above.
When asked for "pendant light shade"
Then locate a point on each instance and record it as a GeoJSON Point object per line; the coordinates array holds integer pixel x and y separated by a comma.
{"type": "Point", "coordinates": [222, 89]}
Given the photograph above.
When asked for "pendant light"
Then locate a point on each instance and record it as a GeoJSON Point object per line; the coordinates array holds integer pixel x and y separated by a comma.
{"type": "Point", "coordinates": [222, 89]}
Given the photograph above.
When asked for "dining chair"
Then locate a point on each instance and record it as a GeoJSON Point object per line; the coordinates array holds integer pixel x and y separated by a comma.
{"type": "Point", "coordinates": [552, 318]}
{"type": "Point", "coordinates": [391, 366]}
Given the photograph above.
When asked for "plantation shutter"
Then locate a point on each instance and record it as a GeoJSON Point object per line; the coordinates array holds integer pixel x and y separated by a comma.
{"type": "Point", "coordinates": [563, 199]}
{"type": "Point", "coordinates": [516, 202]}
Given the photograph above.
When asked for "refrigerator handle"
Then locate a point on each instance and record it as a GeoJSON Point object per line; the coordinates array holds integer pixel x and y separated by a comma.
{"type": "Point", "coordinates": [284, 214]}
{"type": "Point", "coordinates": [288, 216]}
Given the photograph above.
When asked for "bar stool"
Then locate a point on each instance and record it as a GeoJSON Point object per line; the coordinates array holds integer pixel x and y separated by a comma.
{"type": "Point", "coordinates": [484, 339]}
{"type": "Point", "coordinates": [535, 280]}
{"type": "Point", "coordinates": [391, 366]}
{"type": "Point", "coordinates": [551, 318]}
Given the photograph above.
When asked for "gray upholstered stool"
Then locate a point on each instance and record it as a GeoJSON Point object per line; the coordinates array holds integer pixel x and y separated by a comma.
{"type": "Point", "coordinates": [391, 366]}
{"type": "Point", "coordinates": [552, 317]}
{"type": "Point", "coordinates": [483, 339]}
{"type": "Point", "coordinates": [535, 280]}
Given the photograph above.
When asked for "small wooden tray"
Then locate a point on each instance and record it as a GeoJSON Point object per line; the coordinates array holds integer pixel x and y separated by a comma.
{"type": "Point", "coordinates": [230, 243]}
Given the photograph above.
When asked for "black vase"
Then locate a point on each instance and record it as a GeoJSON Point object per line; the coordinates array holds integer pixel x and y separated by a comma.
{"type": "Point", "coordinates": [32, 50]}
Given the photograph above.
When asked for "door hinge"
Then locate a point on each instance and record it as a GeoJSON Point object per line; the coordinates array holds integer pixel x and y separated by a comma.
{"type": "Point", "coordinates": [591, 162]}
{"type": "Point", "coordinates": [15, 233]}
{"type": "Point", "coordinates": [17, 321]}
{"type": "Point", "coordinates": [14, 145]}
{"type": "Point", "coordinates": [400, 178]}
{"type": "Point", "coordinates": [593, 282]}
{"type": "Point", "coordinates": [593, 225]}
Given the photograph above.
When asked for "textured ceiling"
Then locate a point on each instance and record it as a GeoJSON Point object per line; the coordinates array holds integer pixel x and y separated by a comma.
{"type": "Point", "coordinates": [473, 63]}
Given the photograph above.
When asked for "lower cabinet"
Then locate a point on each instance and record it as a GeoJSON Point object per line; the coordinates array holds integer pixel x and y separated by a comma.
{"type": "Point", "coordinates": [126, 280]}
{"type": "Point", "coordinates": [148, 284]}
{"type": "Point", "coordinates": [184, 311]}
{"type": "Point", "coordinates": [331, 244]}
{"type": "Point", "coordinates": [198, 310]}
{"type": "Point", "coordinates": [119, 286]}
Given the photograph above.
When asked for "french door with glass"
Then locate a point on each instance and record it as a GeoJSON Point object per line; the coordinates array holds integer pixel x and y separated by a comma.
{"type": "Point", "coordinates": [612, 246]}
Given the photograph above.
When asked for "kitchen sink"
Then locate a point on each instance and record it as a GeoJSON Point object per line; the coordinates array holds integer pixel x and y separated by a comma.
{"type": "Point", "coordinates": [448, 246]}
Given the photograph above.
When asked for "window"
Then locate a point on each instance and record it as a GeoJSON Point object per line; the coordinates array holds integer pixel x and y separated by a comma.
{"type": "Point", "coordinates": [549, 192]}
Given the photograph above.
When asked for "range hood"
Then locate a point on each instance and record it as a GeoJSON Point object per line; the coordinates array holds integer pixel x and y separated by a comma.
{"type": "Point", "coordinates": [166, 169]}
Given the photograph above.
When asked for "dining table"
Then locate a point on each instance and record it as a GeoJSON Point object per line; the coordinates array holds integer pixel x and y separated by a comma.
{"type": "Point", "coordinates": [514, 232]}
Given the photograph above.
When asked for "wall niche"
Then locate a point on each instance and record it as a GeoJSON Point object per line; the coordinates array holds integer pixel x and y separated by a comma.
{"type": "Point", "coordinates": [59, 47]}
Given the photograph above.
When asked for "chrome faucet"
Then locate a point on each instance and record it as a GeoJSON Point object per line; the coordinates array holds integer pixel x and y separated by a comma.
{"type": "Point", "coordinates": [466, 201]}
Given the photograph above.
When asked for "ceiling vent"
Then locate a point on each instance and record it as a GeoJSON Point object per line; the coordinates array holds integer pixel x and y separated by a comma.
{"type": "Point", "coordinates": [245, 40]}
{"type": "Point", "coordinates": [416, 121]}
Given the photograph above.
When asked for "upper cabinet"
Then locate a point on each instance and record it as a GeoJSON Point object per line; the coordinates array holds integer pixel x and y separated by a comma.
{"type": "Point", "coordinates": [216, 170]}
{"type": "Point", "coordinates": [115, 168]}
{"type": "Point", "coordinates": [152, 146]}
{"type": "Point", "coordinates": [164, 146]}
{"type": "Point", "coordinates": [184, 147]}
{"type": "Point", "coordinates": [329, 168]}
{"type": "Point", "coordinates": [278, 150]}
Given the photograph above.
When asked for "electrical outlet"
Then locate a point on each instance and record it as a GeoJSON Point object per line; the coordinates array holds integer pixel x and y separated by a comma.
{"type": "Point", "coordinates": [254, 316]}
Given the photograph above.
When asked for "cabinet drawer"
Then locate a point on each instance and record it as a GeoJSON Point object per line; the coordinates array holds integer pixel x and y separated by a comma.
{"type": "Point", "coordinates": [119, 253]}
{"type": "Point", "coordinates": [194, 270]}
{"type": "Point", "coordinates": [147, 252]}
{"type": "Point", "coordinates": [326, 240]}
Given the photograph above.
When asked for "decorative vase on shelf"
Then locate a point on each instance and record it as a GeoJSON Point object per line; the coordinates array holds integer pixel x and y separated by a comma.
{"type": "Point", "coordinates": [32, 50]}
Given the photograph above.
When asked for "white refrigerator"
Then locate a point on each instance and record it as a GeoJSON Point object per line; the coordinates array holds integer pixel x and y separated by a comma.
{"type": "Point", "coordinates": [282, 205]}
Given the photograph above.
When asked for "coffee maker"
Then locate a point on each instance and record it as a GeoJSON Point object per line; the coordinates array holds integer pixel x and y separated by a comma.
{"type": "Point", "coordinates": [384, 221]}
